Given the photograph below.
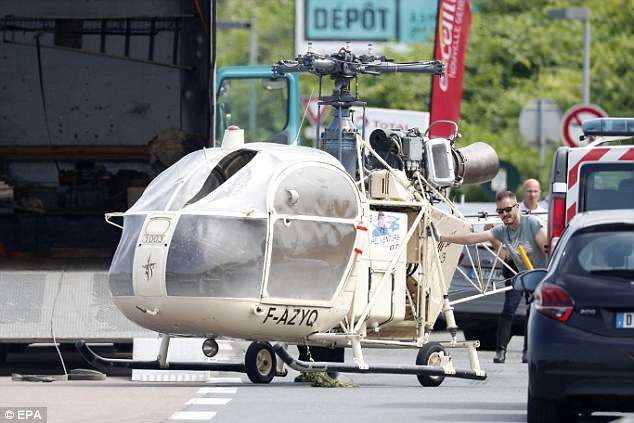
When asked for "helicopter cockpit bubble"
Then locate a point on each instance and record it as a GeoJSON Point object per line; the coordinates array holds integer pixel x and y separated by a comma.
{"type": "Point", "coordinates": [263, 223]}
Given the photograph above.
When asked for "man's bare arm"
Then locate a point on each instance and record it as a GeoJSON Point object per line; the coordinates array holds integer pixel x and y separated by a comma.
{"type": "Point", "coordinates": [495, 244]}
{"type": "Point", "coordinates": [468, 239]}
{"type": "Point", "coordinates": [541, 240]}
{"type": "Point", "coordinates": [501, 252]}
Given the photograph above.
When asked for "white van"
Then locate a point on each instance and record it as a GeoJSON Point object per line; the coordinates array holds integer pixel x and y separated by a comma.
{"type": "Point", "coordinates": [597, 177]}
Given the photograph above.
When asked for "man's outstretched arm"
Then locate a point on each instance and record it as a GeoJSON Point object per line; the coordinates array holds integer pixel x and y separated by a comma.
{"type": "Point", "coordinates": [468, 239]}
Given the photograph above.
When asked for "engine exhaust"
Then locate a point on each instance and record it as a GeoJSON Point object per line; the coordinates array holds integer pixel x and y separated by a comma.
{"type": "Point", "coordinates": [475, 163]}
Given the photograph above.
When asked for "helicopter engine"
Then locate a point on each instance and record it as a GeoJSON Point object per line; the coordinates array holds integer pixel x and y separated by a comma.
{"type": "Point", "coordinates": [436, 158]}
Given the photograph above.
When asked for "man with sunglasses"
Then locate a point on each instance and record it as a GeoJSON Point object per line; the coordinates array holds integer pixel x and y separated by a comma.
{"type": "Point", "coordinates": [531, 193]}
{"type": "Point", "coordinates": [517, 230]}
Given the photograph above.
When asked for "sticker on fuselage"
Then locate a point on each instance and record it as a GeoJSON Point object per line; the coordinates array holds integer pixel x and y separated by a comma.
{"type": "Point", "coordinates": [387, 230]}
{"type": "Point", "coordinates": [291, 316]}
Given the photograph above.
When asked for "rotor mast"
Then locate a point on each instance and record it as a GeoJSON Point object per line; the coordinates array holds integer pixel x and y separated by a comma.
{"type": "Point", "coordinates": [339, 137]}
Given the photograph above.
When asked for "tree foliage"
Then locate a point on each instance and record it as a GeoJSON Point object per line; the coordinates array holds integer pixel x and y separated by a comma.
{"type": "Point", "coordinates": [515, 54]}
{"type": "Point", "coordinates": [274, 22]}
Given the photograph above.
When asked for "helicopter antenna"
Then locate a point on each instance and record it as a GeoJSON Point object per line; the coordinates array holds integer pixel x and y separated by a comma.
{"type": "Point", "coordinates": [299, 130]}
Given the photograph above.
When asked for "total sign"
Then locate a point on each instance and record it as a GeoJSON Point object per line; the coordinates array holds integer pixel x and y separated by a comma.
{"type": "Point", "coordinates": [572, 123]}
{"type": "Point", "coordinates": [376, 118]}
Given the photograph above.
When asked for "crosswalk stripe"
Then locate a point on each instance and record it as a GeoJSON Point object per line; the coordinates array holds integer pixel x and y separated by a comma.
{"type": "Point", "coordinates": [193, 415]}
{"type": "Point", "coordinates": [208, 401]}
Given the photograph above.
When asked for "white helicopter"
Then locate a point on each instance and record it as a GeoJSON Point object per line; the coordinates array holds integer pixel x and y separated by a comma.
{"type": "Point", "coordinates": [302, 246]}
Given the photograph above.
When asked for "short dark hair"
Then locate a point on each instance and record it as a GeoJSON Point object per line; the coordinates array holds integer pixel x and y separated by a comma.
{"type": "Point", "coordinates": [505, 194]}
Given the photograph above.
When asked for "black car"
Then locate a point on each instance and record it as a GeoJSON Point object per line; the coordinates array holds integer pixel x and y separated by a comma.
{"type": "Point", "coordinates": [581, 325]}
{"type": "Point", "coordinates": [478, 318]}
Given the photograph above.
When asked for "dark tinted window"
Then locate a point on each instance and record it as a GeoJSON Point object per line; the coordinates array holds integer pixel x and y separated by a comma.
{"type": "Point", "coordinates": [605, 252]}
{"type": "Point", "coordinates": [607, 186]}
{"type": "Point", "coordinates": [224, 170]}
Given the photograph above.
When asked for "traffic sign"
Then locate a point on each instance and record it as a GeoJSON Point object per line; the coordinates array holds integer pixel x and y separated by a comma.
{"type": "Point", "coordinates": [540, 118]}
{"type": "Point", "coordinates": [571, 123]}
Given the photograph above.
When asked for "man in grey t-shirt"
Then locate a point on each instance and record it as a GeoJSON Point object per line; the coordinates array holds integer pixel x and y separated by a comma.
{"type": "Point", "coordinates": [527, 231]}
{"type": "Point", "coordinates": [525, 234]}
{"type": "Point", "coordinates": [517, 229]}
{"type": "Point", "coordinates": [531, 193]}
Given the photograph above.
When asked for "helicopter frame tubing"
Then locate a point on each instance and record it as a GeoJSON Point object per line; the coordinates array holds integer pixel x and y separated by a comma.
{"type": "Point", "coordinates": [355, 330]}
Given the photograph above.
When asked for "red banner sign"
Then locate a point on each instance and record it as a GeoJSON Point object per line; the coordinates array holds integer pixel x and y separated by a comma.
{"type": "Point", "coordinates": [452, 31]}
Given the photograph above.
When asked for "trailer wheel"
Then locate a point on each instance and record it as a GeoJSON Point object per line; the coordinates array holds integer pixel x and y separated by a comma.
{"type": "Point", "coordinates": [430, 355]}
{"type": "Point", "coordinates": [260, 362]}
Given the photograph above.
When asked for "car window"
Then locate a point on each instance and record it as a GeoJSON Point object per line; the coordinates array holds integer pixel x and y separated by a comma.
{"type": "Point", "coordinates": [607, 186]}
{"type": "Point", "coordinates": [555, 256]}
{"type": "Point", "coordinates": [609, 252]}
{"type": "Point", "coordinates": [560, 252]}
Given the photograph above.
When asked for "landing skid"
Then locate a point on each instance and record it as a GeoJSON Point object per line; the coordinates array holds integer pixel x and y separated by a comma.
{"type": "Point", "coordinates": [309, 366]}
{"type": "Point", "coordinates": [444, 370]}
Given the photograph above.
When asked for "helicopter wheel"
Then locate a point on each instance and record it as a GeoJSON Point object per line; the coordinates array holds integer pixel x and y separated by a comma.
{"type": "Point", "coordinates": [260, 362]}
{"type": "Point", "coordinates": [430, 355]}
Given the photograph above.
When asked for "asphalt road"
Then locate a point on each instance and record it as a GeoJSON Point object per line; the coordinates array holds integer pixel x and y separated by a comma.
{"type": "Point", "coordinates": [232, 398]}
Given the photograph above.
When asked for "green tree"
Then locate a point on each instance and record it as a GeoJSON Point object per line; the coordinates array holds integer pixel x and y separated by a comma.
{"type": "Point", "coordinates": [274, 21]}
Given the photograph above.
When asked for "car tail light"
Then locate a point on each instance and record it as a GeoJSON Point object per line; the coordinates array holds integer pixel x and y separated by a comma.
{"type": "Point", "coordinates": [557, 217]}
{"type": "Point", "coordinates": [553, 301]}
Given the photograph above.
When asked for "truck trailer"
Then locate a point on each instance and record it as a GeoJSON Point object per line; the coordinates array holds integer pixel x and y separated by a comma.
{"type": "Point", "coordinates": [97, 98]}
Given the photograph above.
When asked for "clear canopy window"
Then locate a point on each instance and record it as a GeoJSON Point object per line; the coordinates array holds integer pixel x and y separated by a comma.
{"type": "Point", "coordinates": [212, 256]}
{"type": "Point", "coordinates": [308, 259]}
{"type": "Point", "coordinates": [315, 191]}
{"type": "Point", "coordinates": [120, 274]}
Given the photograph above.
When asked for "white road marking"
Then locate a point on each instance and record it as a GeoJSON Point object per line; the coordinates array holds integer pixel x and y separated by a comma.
{"type": "Point", "coordinates": [193, 415]}
{"type": "Point", "coordinates": [168, 376]}
{"type": "Point", "coordinates": [224, 380]}
{"type": "Point", "coordinates": [208, 401]}
{"type": "Point", "coordinates": [218, 390]}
